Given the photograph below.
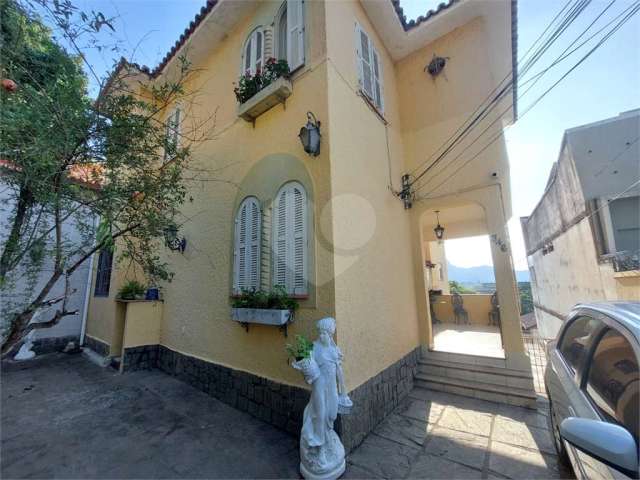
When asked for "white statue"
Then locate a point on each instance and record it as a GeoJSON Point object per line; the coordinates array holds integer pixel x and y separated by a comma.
{"type": "Point", "coordinates": [25, 352]}
{"type": "Point", "coordinates": [321, 451]}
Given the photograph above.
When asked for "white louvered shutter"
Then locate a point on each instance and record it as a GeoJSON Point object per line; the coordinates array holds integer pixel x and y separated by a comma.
{"type": "Point", "coordinates": [295, 28]}
{"type": "Point", "coordinates": [363, 51]}
{"type": "Point", "coordinates": [299, 242]}
{"type": "Point", "coordinates": [254, 52]}
{"type": "Point", "coordinates": [280, 240]}
{"type": "Point", "coordinates": [290, 239]}
{"type": "Point", "coordinates": [376, 68]}
{"type": "Point", "coordinates": [246, 273]}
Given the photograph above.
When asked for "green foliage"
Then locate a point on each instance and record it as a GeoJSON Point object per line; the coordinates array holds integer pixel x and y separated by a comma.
{"type": "Point", "coordinates": [526, 298]}
{"type": "Point", "coordinates": [73, 158]}
{"type": "Point", "coordinates": [277, 299]}
{"type": "Point", "coordinates": [249, 85]}
{"type": "Point", "coordinates": [131, 290]}
{"type": "Point", "coordinates": [456, 287]}
{"type": "Point", "coordinates": [301, 349]}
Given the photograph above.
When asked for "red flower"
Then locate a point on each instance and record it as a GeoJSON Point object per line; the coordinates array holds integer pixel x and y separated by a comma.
{"type": "Point", "coordinates": [9, 85]}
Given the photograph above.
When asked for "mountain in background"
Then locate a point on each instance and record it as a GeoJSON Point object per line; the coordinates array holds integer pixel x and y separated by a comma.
{"type": "Point", "coordinates": [481, 274]}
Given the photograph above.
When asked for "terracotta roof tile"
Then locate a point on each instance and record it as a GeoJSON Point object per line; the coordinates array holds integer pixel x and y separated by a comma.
{"type": "Point", "coordinates": [408, 25]}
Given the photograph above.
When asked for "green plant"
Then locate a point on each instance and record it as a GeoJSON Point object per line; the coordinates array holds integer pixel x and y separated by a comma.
{"type": "Point", "coordinates": [249, 85]}
{"type": "Point", "coordinates": [277, 299]}
{"type": "Point", "coordinates": [301, 349]}
{"type": "Point", "coordinates": [457, 287]}
{"type": "Point", "coordinates": [131, 290]}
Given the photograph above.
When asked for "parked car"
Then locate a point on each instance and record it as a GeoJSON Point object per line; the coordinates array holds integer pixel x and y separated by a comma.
{"type": "Point", "coordinates": [593, 386]}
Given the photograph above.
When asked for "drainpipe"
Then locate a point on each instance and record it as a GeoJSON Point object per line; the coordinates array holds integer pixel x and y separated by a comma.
{"type": "Point", "coordinates": [87, 294]}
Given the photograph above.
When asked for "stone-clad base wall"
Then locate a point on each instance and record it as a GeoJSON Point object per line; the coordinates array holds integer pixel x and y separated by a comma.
{"type": "Point", "coordinates": [53, 344]}
{"type": "Point", "coordinates": [377, 398]}
{"type": "Point", "coordinates": [272, 402]}
{"type": "Point", "coordinates": [97, 346]}
{"type": "Point", "coordinates": [144, 357]}
{"type": "Point", "coordinates": [278, 404]}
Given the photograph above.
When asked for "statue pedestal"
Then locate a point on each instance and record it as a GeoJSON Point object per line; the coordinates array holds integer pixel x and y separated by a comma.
{"type": "Point", "coordinates": [324, 462]}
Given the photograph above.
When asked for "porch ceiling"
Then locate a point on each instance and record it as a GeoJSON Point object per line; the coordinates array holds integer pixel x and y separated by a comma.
{"type": "Point", "coordinates": [459, 221]}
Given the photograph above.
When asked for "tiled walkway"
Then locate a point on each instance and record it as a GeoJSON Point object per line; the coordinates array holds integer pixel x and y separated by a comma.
{"type": "Point", "coordinates": [439, 435]}
{"type": "Point", "coordinates": [63, 417]}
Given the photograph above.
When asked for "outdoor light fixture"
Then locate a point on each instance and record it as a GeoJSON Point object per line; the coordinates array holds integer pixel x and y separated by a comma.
{"type": "Point", "coordinates": [310, 135]}
{"type": "Point", "coordinates": [439, 230]}
{"type": "Point", "coordinates": [172, 240]}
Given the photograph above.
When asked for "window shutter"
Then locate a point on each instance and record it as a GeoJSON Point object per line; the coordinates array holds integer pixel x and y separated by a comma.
{"type": "Point", "coordinates": [299, 242]}
{"type": "Point", "coordinates": [290, 239]}
{"type": "Point", "coordinates": [363, 51]}
{"type": "Point", "coordinates": [246, 252]}
{"type": "Point", "coordinates": [295, 40]}
{"type": "Point", "coordinates": [280, 229]}
{"type": "Point", "coordinates": [377, 79]}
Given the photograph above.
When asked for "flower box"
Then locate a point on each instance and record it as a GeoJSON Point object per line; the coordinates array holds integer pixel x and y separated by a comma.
{"type": "Point", "coordinates": [261, 315]}
{"type": "Point", "coordinates": [273, 94]}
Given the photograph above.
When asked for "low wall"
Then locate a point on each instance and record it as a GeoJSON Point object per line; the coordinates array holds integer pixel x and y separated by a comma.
{"type": "Point", "coordinates": [477, 306]}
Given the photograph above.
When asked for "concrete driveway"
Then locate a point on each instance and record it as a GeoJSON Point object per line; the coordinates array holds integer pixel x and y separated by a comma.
{"type": "Point", "coordinates": [64, 417]}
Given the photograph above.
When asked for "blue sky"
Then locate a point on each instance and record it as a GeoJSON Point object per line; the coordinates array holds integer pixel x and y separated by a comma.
{"type": "Point", "coordinates": [605, 85]}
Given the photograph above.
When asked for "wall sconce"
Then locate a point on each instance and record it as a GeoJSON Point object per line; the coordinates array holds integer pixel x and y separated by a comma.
{"type": "Point", "coordinates": [310, 135]}
{"type": "Point", "coordinates": [436, 65]}
{"type": "Point", "coordinates": [439, 230]}
{"type": "Point", "coordinates": [172, 241]}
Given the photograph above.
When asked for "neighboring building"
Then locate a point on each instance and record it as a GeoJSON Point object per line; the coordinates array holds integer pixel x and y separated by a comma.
{"type": "Point", "coordinates": [23, 284]}
{"type": "Point", "coordinates": [583, 237]}
{"type": "Point", "coordinates": [328, 227]}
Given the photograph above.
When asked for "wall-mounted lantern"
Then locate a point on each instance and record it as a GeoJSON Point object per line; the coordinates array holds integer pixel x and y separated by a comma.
{"type": "Point", "coordinates": [172, 241]}
{"type": "Point", "coordinates": [436, 65]}
{"type": "Point", "coordinates": [310, 135]}
{"type": "Point", "coordinates": [439, 230]}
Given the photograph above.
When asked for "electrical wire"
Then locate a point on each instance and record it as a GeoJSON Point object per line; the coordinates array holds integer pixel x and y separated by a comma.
{"type": "Point", "coordinates": [476, 116]}
{"type": "Point", "coordinates": [634, 10]}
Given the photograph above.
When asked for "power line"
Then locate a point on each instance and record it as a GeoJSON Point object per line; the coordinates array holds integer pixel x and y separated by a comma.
{"type": "Point", "coordinates": [476, 117]}
{"type": "Point", "coordinates": [633, 11]}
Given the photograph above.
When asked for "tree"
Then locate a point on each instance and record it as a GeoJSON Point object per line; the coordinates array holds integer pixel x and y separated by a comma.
{"type": "Point", "coordinates": [68, 158]}
{"type": "Point", "coordinates": [456, 287]}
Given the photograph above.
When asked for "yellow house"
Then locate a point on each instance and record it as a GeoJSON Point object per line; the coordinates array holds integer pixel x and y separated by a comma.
{"type": "Point", "coordinates": [331, 227]}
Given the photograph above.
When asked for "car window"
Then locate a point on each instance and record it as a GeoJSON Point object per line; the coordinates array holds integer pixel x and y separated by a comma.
{"type": "Point", "coordinates": [613, 381]}
{"type": "Point", "coordinates": [576, 339]}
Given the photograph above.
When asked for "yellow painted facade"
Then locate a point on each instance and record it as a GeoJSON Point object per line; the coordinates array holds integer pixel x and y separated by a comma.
{"type": "Point", "coordinates": [365, 258]}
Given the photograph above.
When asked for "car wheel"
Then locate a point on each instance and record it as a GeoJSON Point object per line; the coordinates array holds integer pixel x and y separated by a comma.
{"type": "Point", "coordinates": [563, 456]}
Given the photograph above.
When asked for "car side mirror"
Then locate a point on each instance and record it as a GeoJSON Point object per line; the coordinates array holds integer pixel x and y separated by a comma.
{"type": "Point", "coordinates": [611, 444]}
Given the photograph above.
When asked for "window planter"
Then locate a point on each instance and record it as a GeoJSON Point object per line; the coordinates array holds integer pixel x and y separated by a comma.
{"type": "Point", "coordinates": [245, 316]}
{"type": "Point", "coordinates": [273, 94]}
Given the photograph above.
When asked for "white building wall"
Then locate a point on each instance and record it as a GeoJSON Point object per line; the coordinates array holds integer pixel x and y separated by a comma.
{"type": "Point", "coordinates": [20, 291]}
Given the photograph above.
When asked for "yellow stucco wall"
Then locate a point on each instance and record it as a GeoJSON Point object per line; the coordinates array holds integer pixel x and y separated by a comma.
{"type": "Point", "coordinates": [362, 255]}
{"type": "Point", "coordinates": [142, 323]}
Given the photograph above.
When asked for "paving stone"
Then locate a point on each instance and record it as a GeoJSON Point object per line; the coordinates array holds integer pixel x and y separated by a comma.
{"type": "Point", "coordinates": [458, 446]}
{"type": "Point", "coordinates": [520, 463]}
{"type": "Point", "coordinates": [404, 430]}
{"type": "Point", "coordinates": [356, 472]}
{"type": "Point", "coordinates": [531, 417]}
{"type": "Point", "coordinates": [516, 433]}
{"type": "Point", "coordinates": [466, 421]}
{"type": "Point", "coordinates": [422, 410]}
{"type": "Point", "coordinates": [428, 466]}
{"type": "Point", "coordinates": [384, 458]}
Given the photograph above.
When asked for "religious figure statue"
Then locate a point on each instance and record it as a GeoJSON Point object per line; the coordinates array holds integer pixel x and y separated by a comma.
{"type": "Point", "coordinates": [321, 451]}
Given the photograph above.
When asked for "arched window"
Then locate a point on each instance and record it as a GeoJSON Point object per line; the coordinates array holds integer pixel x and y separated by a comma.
{"type": "Point", "coordinates": [290, 249]}
{"type": "Point", "coordinates": [253, 52]}
{"type": "Point", "coordinates": [246, 246]}
{"type": "Point", "coordinates": [289, 27]}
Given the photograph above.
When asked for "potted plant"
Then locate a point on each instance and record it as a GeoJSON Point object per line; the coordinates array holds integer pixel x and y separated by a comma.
{"type": "Point", "coordinates": [249, 85]}
{"type": "Point", "coordinates": [301, 358]}
{"type": "Point", "coordinates": [268, 308]}
{"type": "Point", "coordinates": [132, 290]}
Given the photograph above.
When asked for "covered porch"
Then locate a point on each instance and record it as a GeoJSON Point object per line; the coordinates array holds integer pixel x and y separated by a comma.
{"type": "Point", "coordinates": [482, 323]}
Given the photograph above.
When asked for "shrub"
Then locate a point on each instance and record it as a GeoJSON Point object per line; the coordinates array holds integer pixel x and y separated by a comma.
{"type": "Point", "coordinates": [131, 290]}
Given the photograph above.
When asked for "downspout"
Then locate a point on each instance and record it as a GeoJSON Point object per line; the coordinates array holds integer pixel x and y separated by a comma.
{"type": "Point", "coordinates": [87, 294]}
